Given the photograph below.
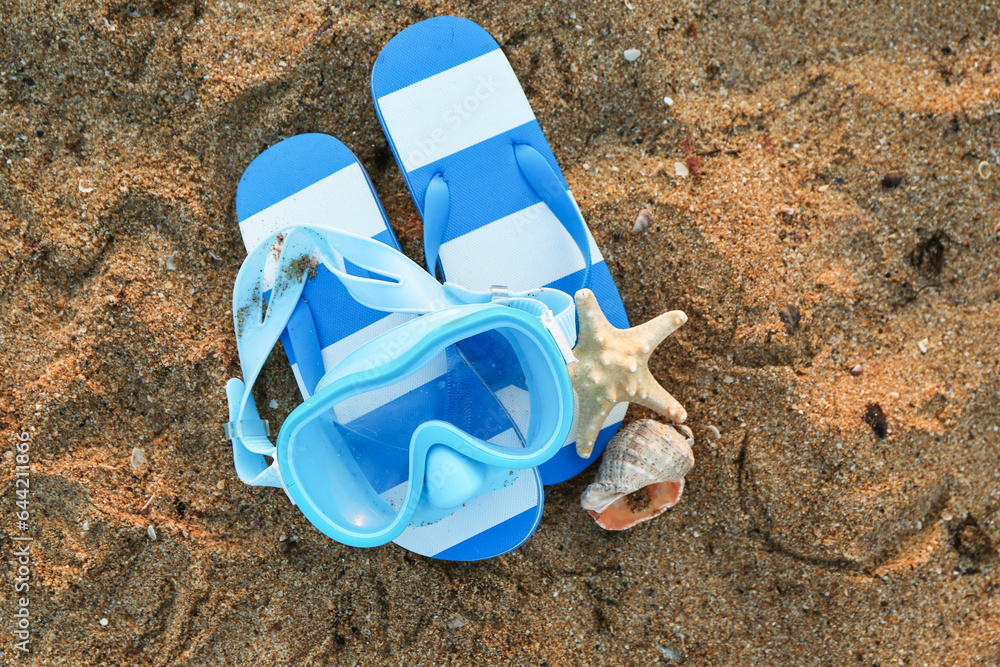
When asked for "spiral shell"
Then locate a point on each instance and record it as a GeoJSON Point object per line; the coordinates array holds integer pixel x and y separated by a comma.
{"type": "Point", "coordinates": [642, 221]}
{"type": "Point", "coordinates": [641, 474]}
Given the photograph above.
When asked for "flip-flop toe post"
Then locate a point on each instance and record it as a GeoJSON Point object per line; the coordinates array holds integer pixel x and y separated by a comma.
{"type": "Point", "coordinates": [495, 205]}
{"type": "Point", "coordinates": [314, 180]}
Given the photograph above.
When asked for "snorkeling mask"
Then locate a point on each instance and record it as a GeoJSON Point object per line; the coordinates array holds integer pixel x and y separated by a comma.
{"type": "Point", "coordinates": [411, 425]}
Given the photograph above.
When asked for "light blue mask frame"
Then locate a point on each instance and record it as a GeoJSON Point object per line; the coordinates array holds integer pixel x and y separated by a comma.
{"type": "Point", "coordinates": [447, 465]}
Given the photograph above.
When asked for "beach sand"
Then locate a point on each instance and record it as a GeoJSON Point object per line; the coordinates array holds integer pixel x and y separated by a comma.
{"type": "Point", "coordinates": [834, 245]}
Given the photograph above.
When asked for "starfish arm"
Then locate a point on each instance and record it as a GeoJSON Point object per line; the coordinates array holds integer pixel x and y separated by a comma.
{"type": "Point", "coordinates": [657, 329]}
{"type": "Point", "coordinates": [658, 399]}
{"type": "Point", "coordinates": [591, 316]}
{"type": "Point", "coordinates": [589, 425]}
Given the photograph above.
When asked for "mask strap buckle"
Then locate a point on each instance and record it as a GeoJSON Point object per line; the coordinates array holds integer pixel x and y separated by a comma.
{"type": "Point", "coordinates": [500, 295]}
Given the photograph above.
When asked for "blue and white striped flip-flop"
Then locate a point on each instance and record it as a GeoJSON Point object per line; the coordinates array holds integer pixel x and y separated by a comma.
{"type": "Point", "coordinates": [496, 208]}
{"type": "Point", "coordinates": [314, 179]}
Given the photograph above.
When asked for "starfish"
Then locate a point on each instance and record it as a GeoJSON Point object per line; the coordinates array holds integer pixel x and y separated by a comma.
{"type": "Point", "coordinates": [613, 367]}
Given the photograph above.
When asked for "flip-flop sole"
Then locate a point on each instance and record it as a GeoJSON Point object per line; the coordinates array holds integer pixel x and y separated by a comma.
{"type": "Point", "coordinates": [314, 179]}
{"type": "Point", "coordinates": [450, 103]}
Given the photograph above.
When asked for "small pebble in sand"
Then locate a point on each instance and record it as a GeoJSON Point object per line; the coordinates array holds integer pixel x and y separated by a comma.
{"type": "Point", "coordinates": [273, 404]}
{"type": "Point", "coordinates": [923, 346]}
{"type": "Point", "coordinates": [681, 169]}
{"type": "Point", "coordinates": [984, 169]}
{"type": "Point", "coordinates": [713, 432]}
{"type": "Point", "coordinates": [790, 317]}
{"type": "Point", "coordinates": [892, 180]}
{"type": "Point", "coordinates": [151, 533]}
{"type": "Point", "coordinates": [457, 621]}
{"type": "Point", "coordinates": [669, 653]}
{"type": "Point", "coordinates": [875, 417]}
{"type": "Point", "coordinates": [668, 101]}
{"type": "Point", "coordinates": [632, 55]}
{"type": "Point", "coordinates": [9, 455]}
{"type": "Point", "coordinates": [642, 221]}
{"type": "Point", "coordinates": [857, 370]}
{"type": "Point", "coordinates": [86, 526]}
{"type": "Point", "coordinates": [138, 461]}
{"type": "Point", "coordinates": [103, 621]}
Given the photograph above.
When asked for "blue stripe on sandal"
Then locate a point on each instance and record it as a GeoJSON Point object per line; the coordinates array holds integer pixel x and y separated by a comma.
{"type": "Point", "coordinates": [315, 179]}
{"type": "Point", "coordinates": [453, 110]}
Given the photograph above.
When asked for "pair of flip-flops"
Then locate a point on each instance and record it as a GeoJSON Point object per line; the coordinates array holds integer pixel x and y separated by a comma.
{"type": "Point", "coordinates": [497, 212]}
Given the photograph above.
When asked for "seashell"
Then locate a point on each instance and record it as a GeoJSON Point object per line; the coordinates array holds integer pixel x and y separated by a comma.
{"type": "Point", "coordinates": [641, 474]}
{"type": "Point", "coordinates": [642, 221]}
{"type": "Point", "coordinates": [138, 460]}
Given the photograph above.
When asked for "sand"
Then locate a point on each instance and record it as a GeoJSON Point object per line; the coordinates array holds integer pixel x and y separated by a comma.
{"type": "Point", "coordinates": [834, 246]}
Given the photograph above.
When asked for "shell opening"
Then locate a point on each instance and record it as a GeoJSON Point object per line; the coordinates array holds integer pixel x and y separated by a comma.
{"type": "Point", "coordinates": [648, 502]}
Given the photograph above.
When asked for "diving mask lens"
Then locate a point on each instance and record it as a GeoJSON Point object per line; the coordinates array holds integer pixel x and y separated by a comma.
{"type": "Point", "coordinates": [411, 429]}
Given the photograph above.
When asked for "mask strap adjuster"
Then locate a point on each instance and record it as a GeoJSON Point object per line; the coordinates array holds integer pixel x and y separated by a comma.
{"type": "Point", "coordinates": [245, 428]}
{"type": "Point", "coordinates": [549, 321]}
{"type": "Point", "coordinates": [500, 295]}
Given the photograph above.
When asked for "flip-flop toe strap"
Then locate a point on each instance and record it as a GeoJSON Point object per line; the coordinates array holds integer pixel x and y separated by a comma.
{"type": "Point", "coordinates": [545, 182]}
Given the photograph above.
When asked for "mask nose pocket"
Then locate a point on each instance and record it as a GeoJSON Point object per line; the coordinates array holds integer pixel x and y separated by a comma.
{"type": "Point", "coordinates": [452, 478]}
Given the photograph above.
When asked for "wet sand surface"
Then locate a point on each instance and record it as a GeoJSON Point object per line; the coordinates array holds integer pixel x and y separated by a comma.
{"type": "Point", "coordinates": [834, 244]}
